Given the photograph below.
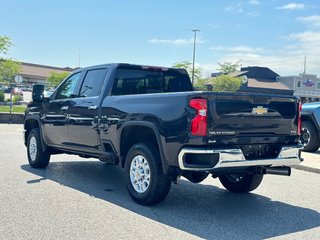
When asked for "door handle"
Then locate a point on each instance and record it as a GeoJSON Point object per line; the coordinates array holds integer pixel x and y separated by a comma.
{"type": "Point", "coordinates": [64, 108]}
{"type": "Point", "coordinates": [92, 107]}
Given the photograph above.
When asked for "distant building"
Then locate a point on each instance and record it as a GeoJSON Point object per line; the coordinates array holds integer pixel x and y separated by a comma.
{"type": "Point", "coordinates": [261, 80]}
{"type": "Point", "coordinates": [306, 86]}
{"type": "Point", "coordinates": [216, 74]}
{"type": "Point", "coordinates": [264, 80]}
{"type": "Point", "coordinates": [38, 74]}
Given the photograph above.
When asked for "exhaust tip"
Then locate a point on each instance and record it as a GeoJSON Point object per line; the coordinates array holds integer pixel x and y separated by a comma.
{"type": "Point", "coordinates": [283, 171]}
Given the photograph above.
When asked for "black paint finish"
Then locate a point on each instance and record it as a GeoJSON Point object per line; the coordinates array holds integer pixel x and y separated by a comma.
{"type": "Point", "coordinates": [90, 126]}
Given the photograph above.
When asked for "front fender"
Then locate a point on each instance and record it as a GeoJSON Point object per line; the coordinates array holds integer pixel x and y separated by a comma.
{"type": "Point", "coordinates": [33, 121]}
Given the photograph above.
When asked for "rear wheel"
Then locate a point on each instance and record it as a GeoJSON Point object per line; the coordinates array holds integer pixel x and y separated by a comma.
{"type": "Point", "coordinates": [309, 137]}
{"type": "Point", "coordinates": [145, 180]}
{"type": "Point", "coordinates": [240, 183]}
{"type": "Point", "coordinates": [36, 156]}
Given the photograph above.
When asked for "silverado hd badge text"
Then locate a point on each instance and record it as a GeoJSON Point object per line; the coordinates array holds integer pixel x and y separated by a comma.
{"type": "Point", "coordinates": [222, 133]}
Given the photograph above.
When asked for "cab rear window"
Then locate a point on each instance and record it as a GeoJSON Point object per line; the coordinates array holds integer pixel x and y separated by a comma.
{"type": "Point", "coordinates": [143, 81]}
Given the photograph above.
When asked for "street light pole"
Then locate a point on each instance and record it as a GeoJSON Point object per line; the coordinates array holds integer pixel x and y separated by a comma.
{"type": "Point", "coordinates": [194, 51]}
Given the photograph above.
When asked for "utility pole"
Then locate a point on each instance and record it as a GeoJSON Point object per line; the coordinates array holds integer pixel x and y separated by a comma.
{"type": "Point", "coordinates": [194, 51]}
{"type": "Point", "coordinates": [305, 65]}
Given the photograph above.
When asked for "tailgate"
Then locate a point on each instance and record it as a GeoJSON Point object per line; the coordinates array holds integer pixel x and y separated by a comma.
{"type": "Point", "coordinates": [251, 114]}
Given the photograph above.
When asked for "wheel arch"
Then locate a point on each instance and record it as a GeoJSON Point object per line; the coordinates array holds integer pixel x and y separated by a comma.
{"type": "Point", "coordinates": [139, 132]}
{"type": "Point", "coordinates": [313, 117]}
{"type": "Point", "coordinates": [310, 118]}
{"type": "Point", "coordinates": [30, 123]}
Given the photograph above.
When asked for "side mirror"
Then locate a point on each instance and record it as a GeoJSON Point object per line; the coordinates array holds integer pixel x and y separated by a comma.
{"type": "Point", "coordinates": [37, 93]}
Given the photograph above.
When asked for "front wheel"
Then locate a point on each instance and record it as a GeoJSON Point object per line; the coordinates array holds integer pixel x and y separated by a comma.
{"type": "Point", "coordinates": [240, 183]}
{"type": "Point", "coordinates": [36, 156]}
{"type": "Point", "coordinates": [145, 180]}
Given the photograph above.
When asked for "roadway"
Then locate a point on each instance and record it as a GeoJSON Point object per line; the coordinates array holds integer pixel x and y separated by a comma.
{"type": "Point", "coordinates": [78, 198]}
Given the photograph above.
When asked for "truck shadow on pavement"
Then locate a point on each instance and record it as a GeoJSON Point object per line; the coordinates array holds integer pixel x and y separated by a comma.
{"type": "Point", "coordinates": [202, 210]}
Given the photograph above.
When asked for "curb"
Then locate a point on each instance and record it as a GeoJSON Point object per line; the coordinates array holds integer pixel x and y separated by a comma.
{"type": "Point", "coordinates": [16, 118]}
{"type": "Point", "coordinates": [307, 169]}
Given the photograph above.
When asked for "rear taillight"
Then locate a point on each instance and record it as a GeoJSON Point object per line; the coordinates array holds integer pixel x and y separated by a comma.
{"type": "Point", "coordinates": [199, 122]}
{"type": "Point", "coordinates": [299, 118]}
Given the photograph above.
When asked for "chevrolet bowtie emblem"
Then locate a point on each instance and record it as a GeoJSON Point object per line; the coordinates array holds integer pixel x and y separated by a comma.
{"type": "Point", "coordinates": [259, 110]}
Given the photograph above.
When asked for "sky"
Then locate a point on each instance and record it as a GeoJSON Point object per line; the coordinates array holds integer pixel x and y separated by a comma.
{"type": "Point", "coordinates": [271, 33]}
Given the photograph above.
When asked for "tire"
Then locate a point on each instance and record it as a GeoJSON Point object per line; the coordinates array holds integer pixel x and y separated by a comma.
{"type": "Point", "coordinates": [310, 137]}
{"type": "Point", "coordinates": [36, 156]}
{"type": "Point", "coordinates": [148, 185]}
{"type": "Point", "coordinates": [239, 183]}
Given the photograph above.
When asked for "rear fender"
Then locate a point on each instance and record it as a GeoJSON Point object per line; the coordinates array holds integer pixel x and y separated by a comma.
{"type": "Point", "coordinates": [165, 166]}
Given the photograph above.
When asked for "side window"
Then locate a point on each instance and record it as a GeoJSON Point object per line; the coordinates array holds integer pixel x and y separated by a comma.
{"type": "Point", "coordinates": [68, 87]}
{"type": "Point", "coordinates": [92, 83]}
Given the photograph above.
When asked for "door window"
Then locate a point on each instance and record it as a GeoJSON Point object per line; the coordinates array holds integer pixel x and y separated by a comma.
{"type": "Point", "coordinates": [92, 83]}
{"type": "Point", "coordinates": [67, 88]}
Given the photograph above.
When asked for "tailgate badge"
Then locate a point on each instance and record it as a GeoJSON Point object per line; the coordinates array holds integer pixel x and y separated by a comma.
{"type": "Point", "coordinates": [259, 110]}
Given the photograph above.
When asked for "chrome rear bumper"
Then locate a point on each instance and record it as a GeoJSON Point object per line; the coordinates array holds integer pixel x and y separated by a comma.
{"type": "Point", "coordinates": [232, 158]}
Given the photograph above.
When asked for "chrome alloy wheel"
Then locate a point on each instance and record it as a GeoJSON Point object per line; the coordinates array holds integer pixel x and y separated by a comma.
{"type": "Point", "coordinates": [140, 174]}
{"type": "Point", "coordinates": [33, 148]}
{"type": "Point", "coordinates": [305, 136]}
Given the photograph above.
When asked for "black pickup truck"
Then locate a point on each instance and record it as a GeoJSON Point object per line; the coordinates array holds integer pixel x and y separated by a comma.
{"type": "Point", "coordinates": [151, 122]}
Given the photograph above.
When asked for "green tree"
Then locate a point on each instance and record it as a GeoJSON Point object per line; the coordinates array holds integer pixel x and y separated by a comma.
{"type": "Point", "coordinates": [225, 83]}
{"type": "Point", "coordinates": [1, 96]}
{"type": "Point", "coordinates": [228, 67]}
{"type": "Point", "coordinates": [8, 68]}
{"type": "Point", "coordinates": [55, 78]}
{"type": "Point", "coordinates": [201, 84]}
{"type": "Point", "coordinates": [188, 66]}
{"type": "Point", "coordinates": [5, 44]}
